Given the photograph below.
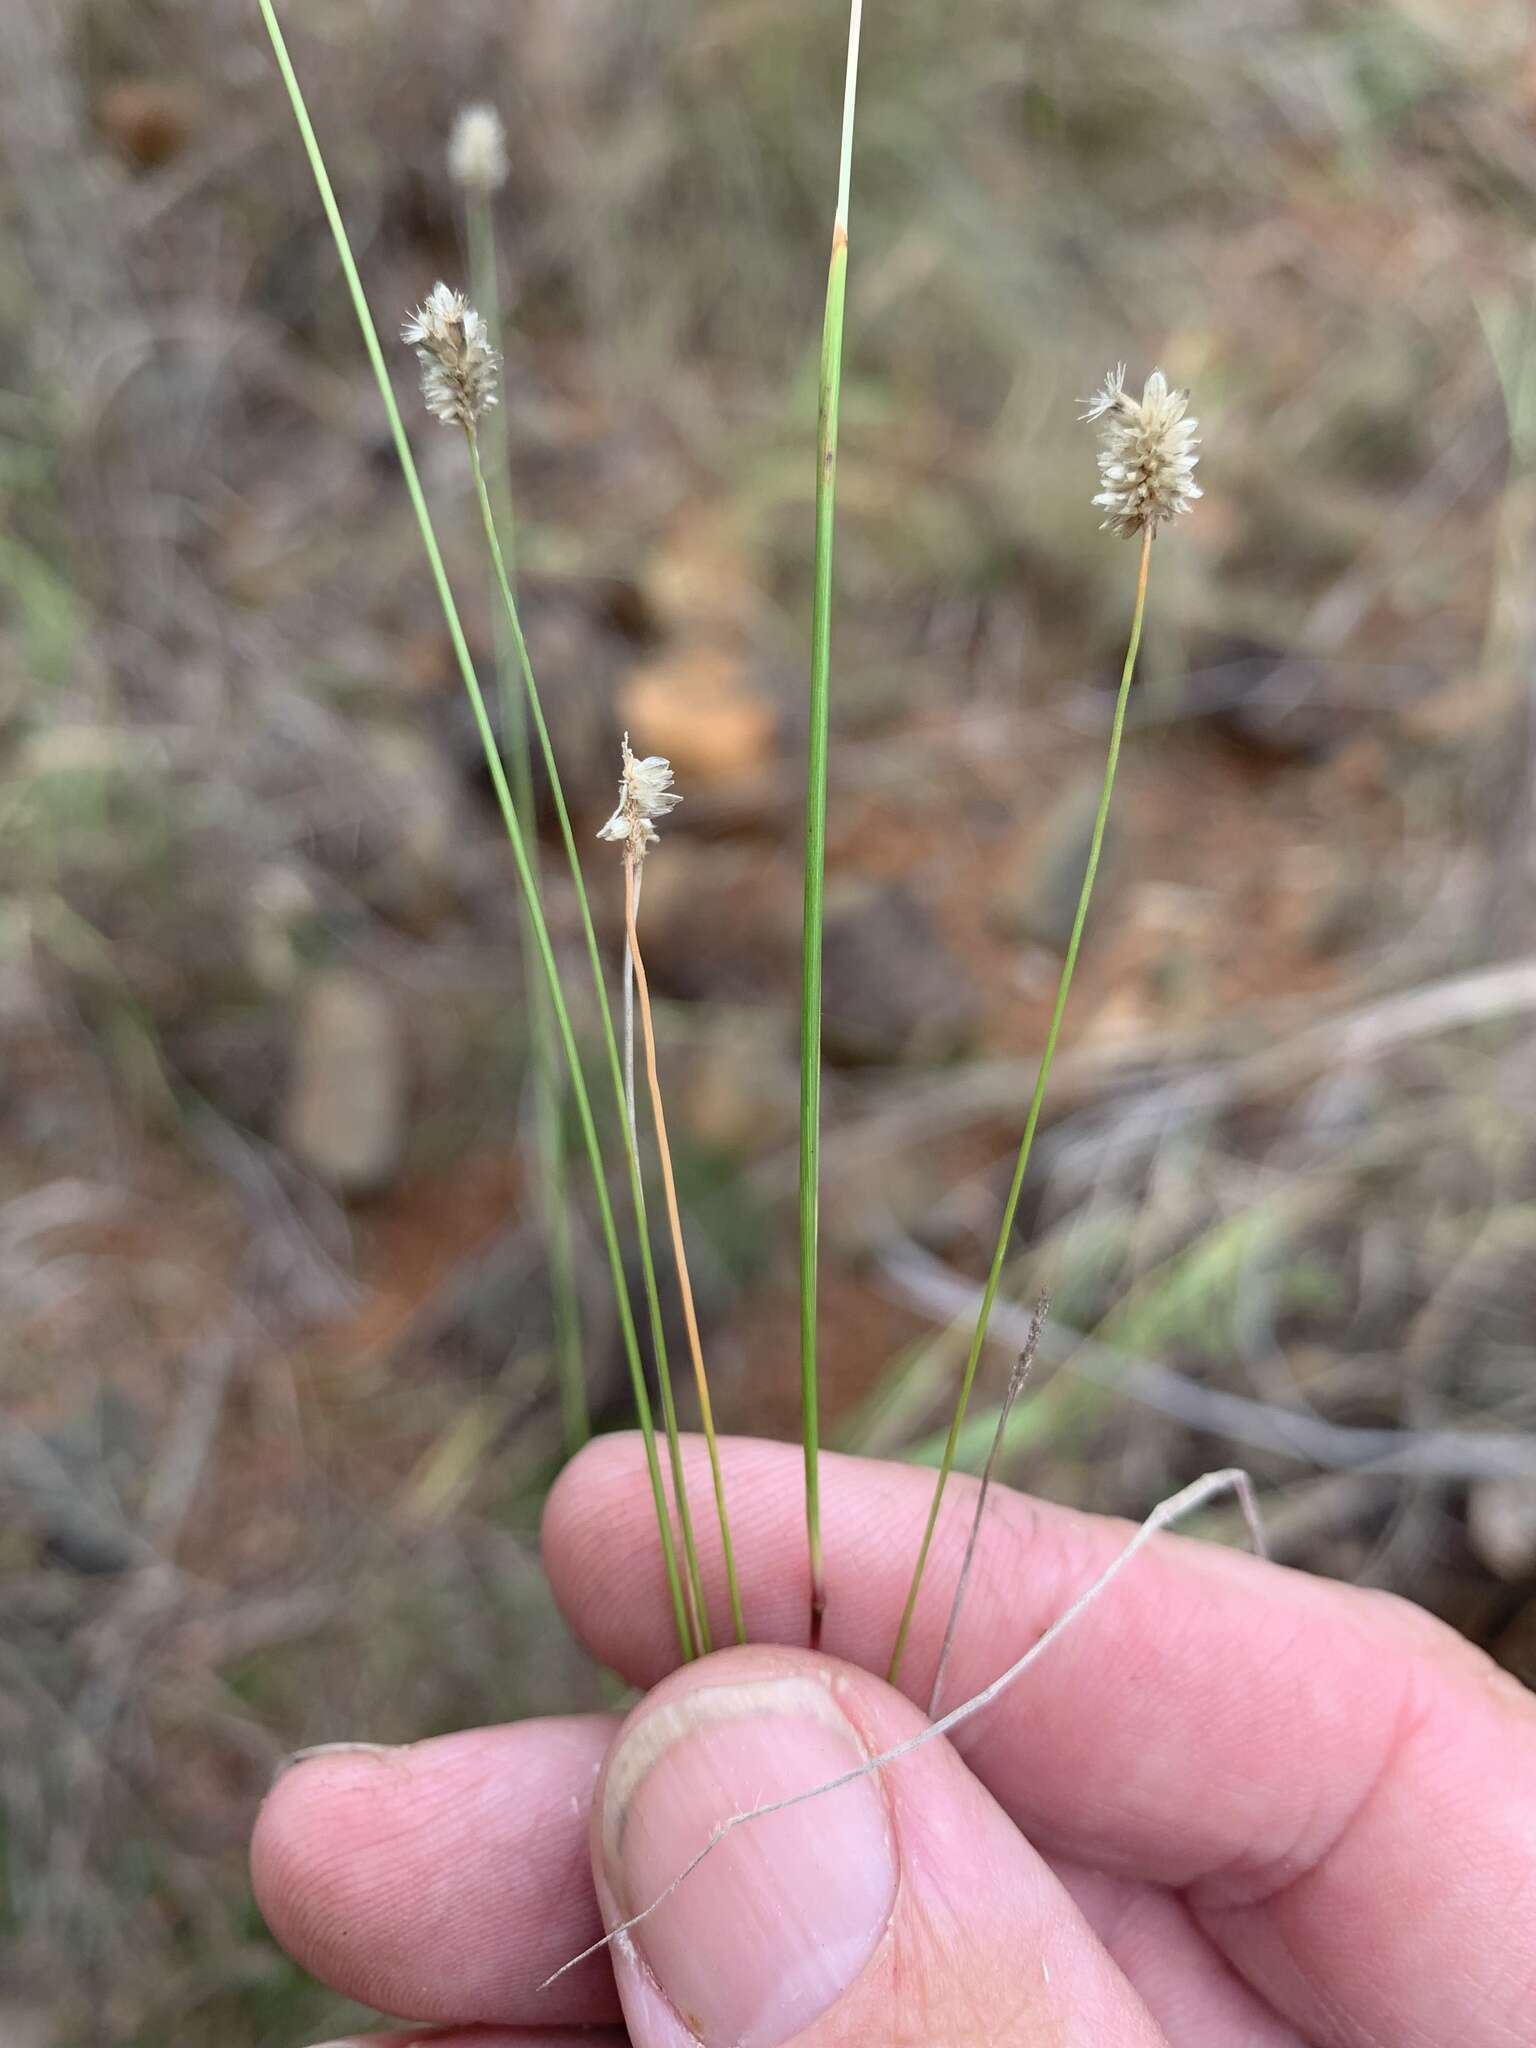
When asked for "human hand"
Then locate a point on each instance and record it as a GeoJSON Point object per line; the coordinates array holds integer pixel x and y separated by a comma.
{"type": "Point", "coordinates": [1233, 1807]}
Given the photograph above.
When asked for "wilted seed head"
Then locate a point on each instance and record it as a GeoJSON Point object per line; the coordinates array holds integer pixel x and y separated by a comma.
{"type": "Point", "coordinates": [1146, 454]}
{"type": "Point", "coordinates": [645, 794]}
{"type": "Point", "coordinates": [477, 149]}
{"type": "Point", "coordinates": [458, 364]}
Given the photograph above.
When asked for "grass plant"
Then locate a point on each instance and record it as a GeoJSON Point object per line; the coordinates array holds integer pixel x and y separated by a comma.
{"type": "Point", "coordinates": [210, 634]}
{"type": "Point", "coordinates": [1146, 466]}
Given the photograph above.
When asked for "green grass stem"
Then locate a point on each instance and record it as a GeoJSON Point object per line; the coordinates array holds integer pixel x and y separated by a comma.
{"type": "Point", "coordinates": [622, 1093]}
{"type": "Point", "coordinates": [829, 389]}
{"type": "Point", "coordinates": [503, 798]}
{"type": "Point", "coordinates": [1037, 1100]}
{"type": "Point", "coordinates": [549, 1126]}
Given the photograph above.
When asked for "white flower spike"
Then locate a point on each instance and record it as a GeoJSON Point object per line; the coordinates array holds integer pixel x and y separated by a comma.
{"type": "Point", "coordinates": [1146, 454]}
{"type": "Point", "coordinates": [477, 149]}
{"type": "Point", "coordinates": [645, 794]}
{"type": "Point", "coordinates": [458, 364]}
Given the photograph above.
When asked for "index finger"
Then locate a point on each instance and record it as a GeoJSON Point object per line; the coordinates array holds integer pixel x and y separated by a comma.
{"type": "Point", "coordinates": [1345, 1791]}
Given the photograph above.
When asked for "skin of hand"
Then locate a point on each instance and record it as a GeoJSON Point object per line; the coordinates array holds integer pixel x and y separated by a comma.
{"type": "Point", "coordinates": [1233, 1807]}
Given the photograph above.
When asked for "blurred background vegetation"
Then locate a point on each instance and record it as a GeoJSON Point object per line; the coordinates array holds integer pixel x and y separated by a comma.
{"type": "Point", "coordinates": [275, 1354]}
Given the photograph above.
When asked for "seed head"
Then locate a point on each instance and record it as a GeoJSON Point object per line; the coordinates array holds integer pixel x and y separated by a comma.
{"type": "Point", "coordinates": [645, 794]}
{"type": "Point", "coordinates": [458, 364]}
{"type": "Point", "coordinates": [1146, 454]}
{"type": "Point", "coordinates": [477, 149]}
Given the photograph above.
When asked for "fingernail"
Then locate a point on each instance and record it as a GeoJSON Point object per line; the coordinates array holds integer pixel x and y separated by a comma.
{"type": "Point", "coordinates": [775, 1926]}
{"type": "Point", "coordinates": [304, 1756]}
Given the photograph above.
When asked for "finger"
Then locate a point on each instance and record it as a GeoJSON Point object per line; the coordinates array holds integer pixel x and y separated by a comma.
{"type": "Point", "coordinates": [1192, 1992]}
{"type": "Point", "coordinates": [444, 1881]}
{"type": "Point", "coordinates": [485, 2037]}
{"type": "Point", "coordinates": [1297, 1755]}
{"type": "Point", "coordinates": [903, 1905]}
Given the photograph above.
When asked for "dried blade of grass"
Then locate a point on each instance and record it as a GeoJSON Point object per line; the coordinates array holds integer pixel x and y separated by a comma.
{"type": "Point", "coordinates": [504, 800]}
{"type": "Point", "coordinates": [623, 1094]}
{"type": "Point", "coordinates": [1037, 1099]}
{"type": "Point", "coordinates": [830, 384]}
{"type": "Point", "coordinates": [1017, 1380]}
{"type": "Point", "coordinates": [629, 1022]}
{"type": "Point", "coordinates": [632, 872]}
{"type": "Point", "coordinates": [549, 1127]}
{"type": "Point", "coordinates": [1164, 1516]}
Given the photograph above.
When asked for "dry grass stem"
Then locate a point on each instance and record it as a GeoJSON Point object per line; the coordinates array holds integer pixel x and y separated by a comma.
{"type": "Point", "coordinates": [629, 1019]}
{"type": "Point", "coordinates": [1017, 1381]}
{"type": "Point", "coordinates": [632, 866]}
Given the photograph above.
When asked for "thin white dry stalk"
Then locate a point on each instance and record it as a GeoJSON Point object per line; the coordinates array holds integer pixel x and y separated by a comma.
{"type": "Point", "coordinates": [1189, 1500]}
{"type": "Point", "coordinates": [1017, 1380]}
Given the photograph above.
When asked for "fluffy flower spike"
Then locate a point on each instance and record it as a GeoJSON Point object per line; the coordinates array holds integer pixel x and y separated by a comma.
{"type": "Point", "coordinates": [458, 364]}
{"type": "Point", "coordinates": [477, 149]}
{"type": "Point", "coordinates": [1146, 454]}
{"type": "Point", "coordinates": [645, 794]}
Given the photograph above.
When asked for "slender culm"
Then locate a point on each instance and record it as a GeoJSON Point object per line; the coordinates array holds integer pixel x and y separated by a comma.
{"type": "Point", "coordinates": [477, 164]}
{"type": "Point", "coordinates": [1146, 466]}
{"type": "Point", "coordinates": [646, 794]}
{"type": "Point", "coordinates": [829, 389]}
{"type": "Point", "coordinates": [1018, 1379]}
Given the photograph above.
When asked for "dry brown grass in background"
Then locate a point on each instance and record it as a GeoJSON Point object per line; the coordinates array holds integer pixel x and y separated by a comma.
{"type": "Point", "coordinates": [276, 1421]}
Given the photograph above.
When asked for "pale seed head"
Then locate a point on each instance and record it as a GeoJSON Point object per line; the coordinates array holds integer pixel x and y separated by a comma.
{"type": "Point", "coordinates": [458, 364]}
{"type": "Point", "coordinates": [1146, 453]}
{"type": "Point", "coordinates": [477, 149]}
{"type": "Point", "coordinates": [645, 794]}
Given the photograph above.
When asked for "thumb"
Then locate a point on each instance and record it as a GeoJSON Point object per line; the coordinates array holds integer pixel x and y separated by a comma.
{"type": "Point", "coordinates": [903, 1907]}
